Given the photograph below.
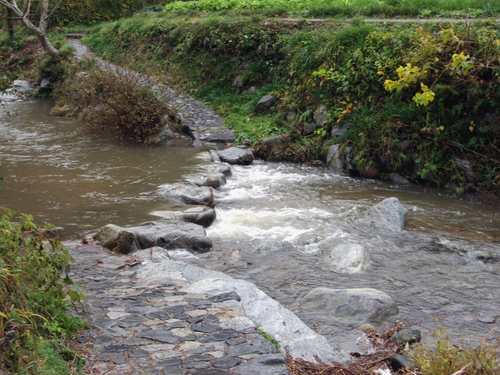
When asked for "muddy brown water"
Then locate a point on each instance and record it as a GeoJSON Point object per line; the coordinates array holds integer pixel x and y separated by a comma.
{"type": "Point", "coordinates": [80, 184]}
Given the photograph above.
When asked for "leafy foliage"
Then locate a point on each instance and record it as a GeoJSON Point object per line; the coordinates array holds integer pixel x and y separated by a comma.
{"type": "Point", "coordinates": [34, 292]}
{"type": "Point", "coordinates": [110, 100]}
{"type": "Point", "coordinates": [444, 357]}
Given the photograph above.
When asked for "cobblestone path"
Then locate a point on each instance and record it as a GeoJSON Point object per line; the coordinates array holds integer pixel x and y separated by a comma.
{"type": "Point", "coordinates": [141, 328]}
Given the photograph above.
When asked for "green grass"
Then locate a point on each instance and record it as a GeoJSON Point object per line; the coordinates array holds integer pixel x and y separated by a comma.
{"type": "Point", "coordinates": [333, 8]}
{"type": "Point", "coordinates": [239, 111]}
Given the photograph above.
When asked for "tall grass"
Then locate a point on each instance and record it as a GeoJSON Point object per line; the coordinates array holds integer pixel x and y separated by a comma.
{"type": "Point", "coordinates": [332, 8]}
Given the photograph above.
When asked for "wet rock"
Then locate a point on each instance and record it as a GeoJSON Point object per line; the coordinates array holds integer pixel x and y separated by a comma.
{"type": "Point", "coordinates": [235, 155]}
{"type": "Point", "coordinates": [488, 317]}
{"type": "Point", "coordinates": [221, 136]}
{"type": "Point", "coordinates": [167, 134]}
{"type": "Point", "coordinates": [270, 364]}
{"type": "Point", "coordinates": [338, 132]}
{"type": "Point", "coordinates": [266, 103]}
{"type": "Point", "coordinates": [172, 235]}
{"type": "Point", "coordinates": [368, 328]}
{"type": "Point", "coordinates": [203, 216]}
{"type": "Point", "coordinates": [354, 304]}
{"type": "Point", "coordinates": [389, 214]}
{"type": "Point", "coordinates": [399, 362]}
{"type": "Point", "coordinates": [466, 167]}
{"type": "Point", "coordinates": [407, 336]}
{"type": "Point", "coordinates": [214, 180]}
{"type": "Point", "coordinates": [22, 87]}
{"type": "Point", "coordinates": [398, 179]}
{"type": "Point", "coordinates": [346, 258]}
{"type": "Point", "coordinates": [481, 255]}
{"type": "Point", "coordinates": [116, 238]}
{"type": "Point", "coordinates": [272, 141]}
{"type": "Point", "coordinates": [321, 115]}
{"type": "Point", "coordinates": [223, 168]}
{"type": "Point", "coordinates": [333, 160]}
{"type": "Point", "coordinates": [292, 334]}
{"type": "Point", "coordinates": [188, 193]}
{"type": "Point", "coordinates": [269, 246]}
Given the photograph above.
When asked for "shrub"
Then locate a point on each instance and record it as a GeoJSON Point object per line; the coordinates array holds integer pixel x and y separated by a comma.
{"type": "Point", "coordinates": [33, 293]}
{"type": "Point", "coordinates": [116, 102]}
{"type": "Point", "coordinates": [446, 358]}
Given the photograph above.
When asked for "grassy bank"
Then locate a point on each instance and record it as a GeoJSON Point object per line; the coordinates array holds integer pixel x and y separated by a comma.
{"type": "Point", "coordinates": [346, 8]}
{"type": "Point", "coordinates": [423, 120]}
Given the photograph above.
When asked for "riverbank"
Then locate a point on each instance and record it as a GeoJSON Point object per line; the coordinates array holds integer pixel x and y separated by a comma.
{"type": "Point", "coordinates": [327, 87]}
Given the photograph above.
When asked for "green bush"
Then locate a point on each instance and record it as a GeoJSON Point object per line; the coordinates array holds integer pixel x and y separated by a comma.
{"type": "Point", "coordinates": [34, 293]}
{"type": "Point", "coordinates": [444, 358]}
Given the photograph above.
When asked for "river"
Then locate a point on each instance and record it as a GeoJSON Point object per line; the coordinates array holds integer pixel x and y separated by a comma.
{"type": "Point", "coordinates": [80, 183]}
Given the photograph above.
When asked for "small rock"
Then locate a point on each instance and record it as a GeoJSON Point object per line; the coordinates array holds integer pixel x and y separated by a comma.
{"type": "Point", "coordinates": [200, 215]}
{"type": "Point", "coordinates": [22, 87]}
{"type": "Point", "coordinates": [321, 115]}
{"type": "Point", "coordinates": [399, 362]}
{"type": "Point", "coordinates": [407, 336]}
{"type": "Point", "coordinates": [116, 238]}
{"type": "Point", "coordinates": [251, 90]}
{"type": "Point", "coordinates": [398, 179]}
{"type": "Point", "coordinates": [353, 304]}
{"type": "Point", "coordinates": [46, 84]}
{"type": "Point", "coordinates": [221, 136]}
{"type": "Point", "coordinates": [235, 155]}
{"type": "Point", "coordinates": [388, 214]}
{"type": "Point", "coordinates": [290, 115]}
{"type": "Point", "coordinates": [333, 160]}
{"type": "Point", "coordinates": [272, 141]}
{"type": "Point", "coordinates": [188, 193]}
{"type": "Point", "coordinates": [346, 258]}
{"type": "Point", "coordinates": [466, 167]}
{"type": "Point", "coordinates": [266, 103]}
{"type": "Point", "coordinates": [237, 81]}
{"type": "Point", "coordinates": [368, 328]}
{"type": "Point", "coordinates": [338, 132]}
{"type": "Point", "coordinates": [167, 134]}
{"type": "Point", "coordinates": [481, 255]}
{"type": "Point", "coordinates": [309, 129]}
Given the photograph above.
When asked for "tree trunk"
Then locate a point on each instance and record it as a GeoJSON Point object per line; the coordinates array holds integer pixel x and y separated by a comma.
{"type": "Point", "coordinates": [11, 6]}
{"type": "Point", "coordinates": [10, 26]}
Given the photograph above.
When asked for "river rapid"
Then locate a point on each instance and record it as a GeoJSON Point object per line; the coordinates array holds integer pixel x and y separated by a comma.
{"type": "Point", "coordinates": [80, 183]}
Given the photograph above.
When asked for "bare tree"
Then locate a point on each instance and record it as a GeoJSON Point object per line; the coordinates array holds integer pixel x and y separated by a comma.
{"type": "Point", "coordinates": [41, 30]}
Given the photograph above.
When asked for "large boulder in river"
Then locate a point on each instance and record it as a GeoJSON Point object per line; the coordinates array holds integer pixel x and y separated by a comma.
{"type": "Point", "coordinates": [188, 193]}
{"type": "Point", "coordinates": [345, 257]}
{"type": "Point", "coordinates": [388, 214]}
{"type": "Point", "coordinates": [172, 235]}
{"type": "Point", "coordinates": [235, 155]}
{"type": "Point", "coordinates": [204, 216]}
{"type": "Point", "coordinates": [116, 238]}
{"type": "Point", "coordinates": [364, 304]}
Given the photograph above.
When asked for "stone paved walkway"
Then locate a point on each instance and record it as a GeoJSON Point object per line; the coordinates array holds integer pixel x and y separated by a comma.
{"type": "Point", "coordinates": [198, 120]}
{"type": "Point", "coordinates": [141, 328]}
